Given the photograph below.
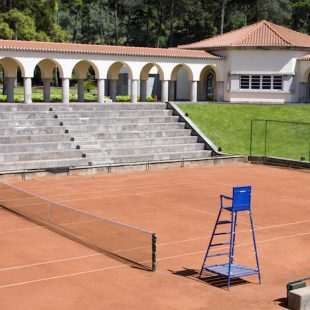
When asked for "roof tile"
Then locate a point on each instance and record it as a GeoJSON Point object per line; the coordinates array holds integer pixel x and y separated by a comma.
{"type": "Point", "coordinates": [261, 34]}
{"type": "Point", "coordinates": [102, 49]}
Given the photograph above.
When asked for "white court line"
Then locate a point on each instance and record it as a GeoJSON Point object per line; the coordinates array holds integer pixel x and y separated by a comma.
{"type": "Point", "coordinates": [123, 265]}
{"type": "Point", "coordinates": [241, 231]}
{"type": "Point", "coordinates": [62, 276]}
{"type": "Point", "coordinates": [241, 244]}
{"type": "Point", "coordinates": [49, 262]}
{"type": "Point", "coordinates": [20, 229]}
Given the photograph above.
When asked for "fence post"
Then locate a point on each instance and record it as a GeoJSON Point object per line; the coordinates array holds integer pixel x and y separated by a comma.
{"type": "Point", "coordinates": [265, 148]}
{"type": "Point", "coordinates": [251, 137]}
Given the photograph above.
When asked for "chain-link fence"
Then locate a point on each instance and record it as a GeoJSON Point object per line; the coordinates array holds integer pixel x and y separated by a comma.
{"type": "Point", "coordinates": [280, 139]}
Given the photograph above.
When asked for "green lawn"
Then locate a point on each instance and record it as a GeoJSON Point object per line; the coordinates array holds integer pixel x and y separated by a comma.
{"type": "Point", "coordinates": [229, 127]}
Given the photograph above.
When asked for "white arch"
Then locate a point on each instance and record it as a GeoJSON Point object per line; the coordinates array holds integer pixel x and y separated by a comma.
{"type": "Point", "coordinates": [10, 64]}
{"type": "Point", "coordinates": [47, 67]}
{"type": "Point", "coordinates": [114, 69]}
{"type": "Point", "coordinates": [81, 68]}
{"type": "Point", "coordinates": [174, 72]}
{"type": "Point", "coordinates": [144, 74]}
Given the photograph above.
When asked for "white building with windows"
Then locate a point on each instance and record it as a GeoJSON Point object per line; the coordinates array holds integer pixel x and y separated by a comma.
{"type": "Point", "coordinates": [262, 62]}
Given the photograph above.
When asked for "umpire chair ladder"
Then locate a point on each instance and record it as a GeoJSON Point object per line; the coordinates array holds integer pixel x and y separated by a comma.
{"type": "Point", "coordinates": [241, 201]}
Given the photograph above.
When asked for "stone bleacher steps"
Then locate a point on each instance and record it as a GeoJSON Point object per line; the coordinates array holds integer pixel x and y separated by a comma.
{"type": "Point", "coordinates": [45, 136]}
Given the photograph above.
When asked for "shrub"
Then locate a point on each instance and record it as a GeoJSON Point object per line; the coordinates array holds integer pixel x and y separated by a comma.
{"type": "Point", "coordinates": [150, 99]}
{"type": "Point", "coordinates": [18, 98]}
{"type": "Point", "coordinates": [37, 98]}
{"type": "Point", "coordinates": [122, 98]}
{"type": "Point", "coordinates": [89, 85]}
{"type": "Point", "coordinates": [3, 98]}
{"type": "Point", "coordinates": [56, 98]}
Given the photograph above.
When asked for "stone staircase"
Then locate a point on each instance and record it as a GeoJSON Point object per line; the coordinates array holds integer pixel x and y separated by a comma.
{"type": "Point", "coordinates": [56, 135]}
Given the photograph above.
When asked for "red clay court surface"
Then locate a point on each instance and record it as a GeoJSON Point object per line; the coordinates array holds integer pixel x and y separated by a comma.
{"type": "Point", "coordinates": [40, 269]}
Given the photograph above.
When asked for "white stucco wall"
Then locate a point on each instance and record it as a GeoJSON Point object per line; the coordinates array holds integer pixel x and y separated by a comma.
{"type": "Point", "coordinates": [259, 62]}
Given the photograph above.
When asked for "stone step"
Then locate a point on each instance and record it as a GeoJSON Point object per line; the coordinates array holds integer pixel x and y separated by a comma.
{"type": "Point", "coordinates": [147, 141]}
{"type": "Point", "coordinates": [29, 122]}
{"type": "Point", "coordinates": [32, 130]}
{"type": "Point", "coordinates": [123, 127]}
{"type": "Point", "coordinates": [36, 147]}
{"type": "Point", "coordinates": [43, 155]}
{"type": "Point", "coordinates": [117, 120]}
{"type": "Point", "coordinates": [161, 156]}
{"type": "Point", "coordinates": [20, 107]}
{"type": "Point", "coordinates": [25, 115]}
{"type": "Point", "coordinates": [139, 150]}
{"type": "Point", "coordinates": [22, 139]}
{"type": "Point", "coordinates": [108, 106]}
{"type": "Point", "coordinates": [41, 164]}
{"type": "Point", "coordinates": [139, 134]}
{"type": "Point", "coordinates": [115, 113]}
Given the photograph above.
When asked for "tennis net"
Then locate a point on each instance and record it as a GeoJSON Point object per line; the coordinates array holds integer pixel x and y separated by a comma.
{"type": "Point", "coordinates": [99, 233]}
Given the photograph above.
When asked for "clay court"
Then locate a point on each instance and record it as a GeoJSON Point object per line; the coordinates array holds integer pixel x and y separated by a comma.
{"type": "Point", "coordinates": [40, 269]}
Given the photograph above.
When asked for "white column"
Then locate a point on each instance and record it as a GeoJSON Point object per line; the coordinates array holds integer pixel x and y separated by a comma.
{"type": "Point", "coordinates": [65, 90]}
{"type": "Point", "coordinates": [100, 90]}
{"type": "Point", "coordinates": [113, 90]}
{"type": "Point", "coordinates": [143, 84]}
{"type": "Point", "coordinates": [171, 96]}
{"type": "Point", "coordinates": [46, 89]}
{"type": "Point", "coordinates": [27, 90]}
{"type": "Point", "coordinates": [9, 84]}
{"type": "Point", "coordinates": [80, 90]}
{"type": "Point", "coordinates": [164, 90]}
{"type": "Point", "coordinates": [194, 92]}
{"type": "Point", "coordinates": [134, 91]}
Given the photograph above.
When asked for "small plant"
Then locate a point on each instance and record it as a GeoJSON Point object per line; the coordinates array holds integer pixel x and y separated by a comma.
{"type": "Point", "coordinates": [37, 98]}
{"type": "Point", "coordinates": [122, 98]}
{"type": "Point", "coordinates": [219, 149]}
{"type": "Point", "coordinates": [3, 98]}
{"type": "Point", "coordinates": [89, 86]}
{"type": "Point", "coordinates": [186, 114]}
{"type": "Point", "coordinates": [56, 98]}
{"type": "Point", "coordinates": [18, 98]}
{"type": "Point", "coordinates": [150, 99]}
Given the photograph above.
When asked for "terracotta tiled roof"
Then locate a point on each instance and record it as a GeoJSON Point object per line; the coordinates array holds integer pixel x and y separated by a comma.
{"type": "Point", "coordinates": [261, 34]}
{"type": "Point", "coordinates": [306, 57]}
{"type": "Point", "coordinates": [102, 49]}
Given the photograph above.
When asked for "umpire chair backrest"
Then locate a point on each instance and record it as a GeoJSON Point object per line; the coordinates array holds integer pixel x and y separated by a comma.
{"type": "Point", "coordinates": [241, 198]}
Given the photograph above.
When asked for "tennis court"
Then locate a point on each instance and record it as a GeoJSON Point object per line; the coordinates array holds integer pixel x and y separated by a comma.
{"type": "Point", "coordinates": [40, 269]}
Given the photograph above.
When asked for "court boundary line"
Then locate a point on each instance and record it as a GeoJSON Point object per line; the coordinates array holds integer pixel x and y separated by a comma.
{"type": "Point", "coordinates": [123, 265]}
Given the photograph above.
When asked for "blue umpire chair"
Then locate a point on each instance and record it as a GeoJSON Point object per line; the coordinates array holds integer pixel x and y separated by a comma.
{"type": "Point", "coordinates": [240, 201]}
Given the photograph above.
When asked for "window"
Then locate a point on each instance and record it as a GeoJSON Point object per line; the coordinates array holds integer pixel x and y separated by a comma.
{"type": "Point", "coordinates": [255, 82]}
{"type": "Point", "coordinates": [261, 82]}
{"type": "Point", "coordinates": [277, 82]}
{"type": "Point", "coordinates": [245, 81]}
{"type": "Point", "coordinates": [266, 82]}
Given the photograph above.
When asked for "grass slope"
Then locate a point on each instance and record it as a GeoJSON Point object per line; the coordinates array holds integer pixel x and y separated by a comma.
{"type": "Point", "coordinates": [229, 126]}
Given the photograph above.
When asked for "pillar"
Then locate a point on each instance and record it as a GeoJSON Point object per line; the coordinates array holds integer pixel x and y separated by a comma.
{"type": "Point", "coordinates": [113, 84]}
{"type": "Point", "coordinates": [46, 89]}
{"type": "Point", "coordinates": [80, 90]}
{"type": "Point", "coordinates": [9, 88]}
{"type": "Point", "coordinates": [164, 90]}
{"type": "Point", "coordinates": [65, 90]}
{"type": "Point", "coordinates": [193, 91]}
{"type": "Point", "coordinates": [171, 96]}
{"type": "Point", "coordinates": [143, 85]}
{"type": "Point", "coordinates": [134, 91]}
{"type": "Point", "coordinates": [27, 90]}
{"type": "Point", "coordinates": [100, 90]}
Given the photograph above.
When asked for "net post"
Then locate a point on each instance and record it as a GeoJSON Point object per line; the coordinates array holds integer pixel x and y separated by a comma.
{"type": "Point", "coordinates": [154, 239]}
